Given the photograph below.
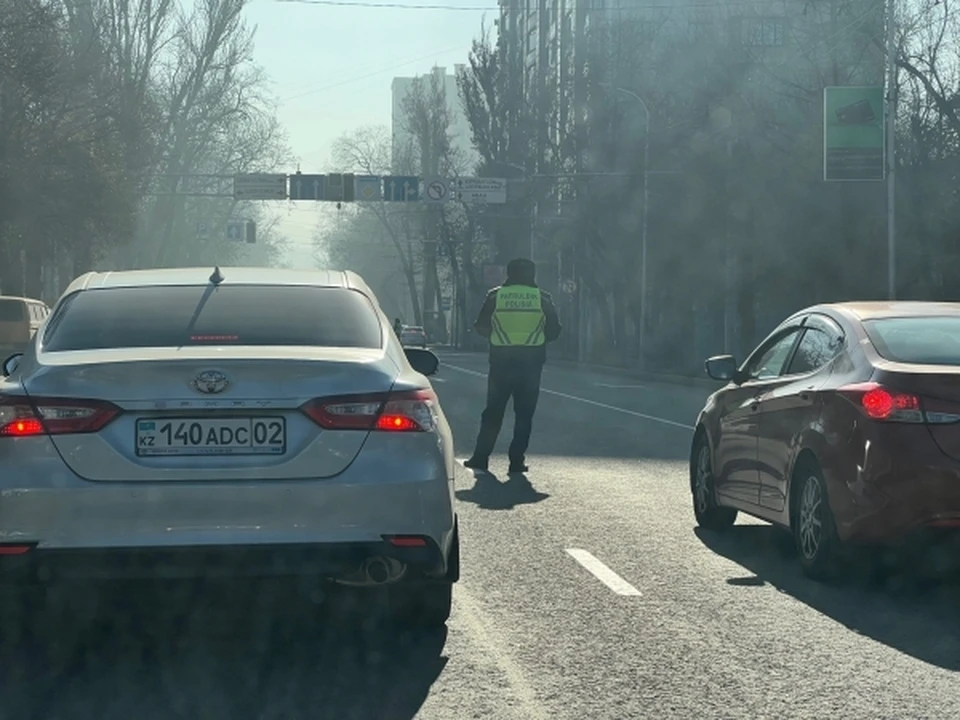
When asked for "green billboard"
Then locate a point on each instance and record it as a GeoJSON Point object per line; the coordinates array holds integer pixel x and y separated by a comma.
{"type": "Point", "coordinates": [854, 132]}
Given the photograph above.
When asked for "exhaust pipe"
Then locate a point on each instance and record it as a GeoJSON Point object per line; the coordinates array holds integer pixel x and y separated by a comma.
{"type": "Point", "coordinates": [376, 570]}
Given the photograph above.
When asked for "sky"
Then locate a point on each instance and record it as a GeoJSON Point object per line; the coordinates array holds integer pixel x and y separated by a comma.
{"type": "Point", "coordinates": [331, 62]}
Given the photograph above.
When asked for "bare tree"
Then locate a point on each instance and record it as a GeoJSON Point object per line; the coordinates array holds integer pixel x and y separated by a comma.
{"type": "Point", "coordinates": [368, 151]}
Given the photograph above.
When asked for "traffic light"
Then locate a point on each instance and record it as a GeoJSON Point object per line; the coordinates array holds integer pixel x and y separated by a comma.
{"type": "Point", "coordinates": [251, 234]}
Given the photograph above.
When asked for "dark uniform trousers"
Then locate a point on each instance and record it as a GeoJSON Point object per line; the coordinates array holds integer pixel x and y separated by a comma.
{"type": "Point", "coordinates": [521, 381]}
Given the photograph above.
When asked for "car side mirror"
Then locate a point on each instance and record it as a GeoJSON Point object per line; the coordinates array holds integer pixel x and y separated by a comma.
{"type": "Point", "coordinates": [11, 363]}
{"type": "Point", "coordinates": [423, 361]}
{"type": "Point", "coordinates": [722, 367]}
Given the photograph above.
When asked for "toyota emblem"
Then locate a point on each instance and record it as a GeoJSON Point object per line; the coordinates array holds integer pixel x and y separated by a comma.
{"type": "Point", "coordinates": [210, 382]}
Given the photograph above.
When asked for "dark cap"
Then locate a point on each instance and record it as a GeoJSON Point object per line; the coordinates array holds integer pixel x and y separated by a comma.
{"type": "Point", "coordinates": [521, 270]}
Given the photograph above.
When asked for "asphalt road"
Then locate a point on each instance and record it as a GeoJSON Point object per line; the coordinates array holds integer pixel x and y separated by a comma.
{"type": "Point", "coordinates": [586, 593]}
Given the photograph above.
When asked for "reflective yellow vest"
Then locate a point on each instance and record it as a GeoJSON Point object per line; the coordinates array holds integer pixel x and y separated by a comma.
{"type": "Point", "coordinates": [518, 317]}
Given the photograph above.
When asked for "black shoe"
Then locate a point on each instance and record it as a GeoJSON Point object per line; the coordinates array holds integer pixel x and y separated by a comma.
{"type": "Point", "coordinates": [518, 467]}
{"type": "Point", "coordinates": [474, 463]}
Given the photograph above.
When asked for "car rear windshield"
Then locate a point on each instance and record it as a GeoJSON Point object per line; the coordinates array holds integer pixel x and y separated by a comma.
{"type": "Point", "coordinates": [921, 340]}
{"type": "Point", "coordinates": [11, 310]}
{"type": "Point", "coordinates": [175, 316]}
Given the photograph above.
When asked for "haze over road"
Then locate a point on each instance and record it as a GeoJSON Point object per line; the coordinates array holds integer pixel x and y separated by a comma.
{"type": "Point", "coordinates": [586, 593]}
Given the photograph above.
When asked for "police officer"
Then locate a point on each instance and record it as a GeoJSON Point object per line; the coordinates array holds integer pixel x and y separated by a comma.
{"type": "Point", "coordinates": [519, 319]}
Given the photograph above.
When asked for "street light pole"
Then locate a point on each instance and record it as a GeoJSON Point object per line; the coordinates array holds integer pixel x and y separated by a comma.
{"type": "Point", "coordinates": [643, 228]}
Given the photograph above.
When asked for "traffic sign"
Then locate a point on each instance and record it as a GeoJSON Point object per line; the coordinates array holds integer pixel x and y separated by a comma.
{"type": "Point", "coordinates": [445, 303]}
{"type": "Point", "coordinates": [336, 189]}
{"type": "Point", "coordinates": [401, 188]}
{"type": "Point", "coordinates": [236, 230]}
{"type": "Point", "coordinates": [307, 187]}
{"type": "Point", "coordinates": [367, 188]}
{"type": "Point", "coordinates": [436, 190]}
{"type": "Point", "coordinates": [481, 191]}
{"type": "Point", "coordinates": [260, 186]}
{"type": "Point", "coordinates": [854, 133]}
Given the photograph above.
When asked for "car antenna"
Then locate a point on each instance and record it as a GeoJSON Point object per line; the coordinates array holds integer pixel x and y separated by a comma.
{"type": "Point", "coordinates": [217, 277]}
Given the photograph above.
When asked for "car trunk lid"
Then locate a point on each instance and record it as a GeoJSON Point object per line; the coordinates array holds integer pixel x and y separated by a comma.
{"type": "Point", "coordinates": [208, 414]}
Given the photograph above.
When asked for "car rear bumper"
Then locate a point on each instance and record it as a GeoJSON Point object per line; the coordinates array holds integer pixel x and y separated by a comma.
{"type": "Point", "coordinates": [325, 560]}
{"type": "Point", "coordinates": [259, 527]}
{"type": "Point", "coordinates": [897, 491]}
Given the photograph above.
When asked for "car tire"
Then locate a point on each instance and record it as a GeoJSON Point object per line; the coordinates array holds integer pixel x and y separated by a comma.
{"type": "Point", "coordinates": [709, 514]}
{"type": "Point", "coordinates": [812, 523]}
{"type": "Point", "coordinates": [425, 605]}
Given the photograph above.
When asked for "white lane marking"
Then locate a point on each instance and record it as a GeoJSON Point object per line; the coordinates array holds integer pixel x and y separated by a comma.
{"type": "Point", "coordinates": [652, 418]}
{"type": "Point", "coordinates": [604, 574]}
{"type": "Point", "coordinates": [439, 380]}
{"type": "Point", "coordinates": [620, 387]}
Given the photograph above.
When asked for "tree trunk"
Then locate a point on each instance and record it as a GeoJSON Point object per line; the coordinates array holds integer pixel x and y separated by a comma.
{"type": "Point", "coordinates": [11, 268]}
{"type": "Point", "coordinates": [33, 285]}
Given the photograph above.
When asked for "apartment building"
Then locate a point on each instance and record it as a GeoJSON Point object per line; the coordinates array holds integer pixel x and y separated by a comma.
{"type": "Point", "coordinates": [460, 133]}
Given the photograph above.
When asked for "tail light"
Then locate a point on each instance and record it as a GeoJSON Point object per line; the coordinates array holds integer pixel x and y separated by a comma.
{"type": "Point", "coordinates": [880, 403]}
{"type": "Point", "coordinates": [27, 416]}
{"type": "Point", "coordinates": [410, 411]}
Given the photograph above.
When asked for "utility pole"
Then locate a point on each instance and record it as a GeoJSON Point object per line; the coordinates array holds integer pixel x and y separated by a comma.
{"type": "Point", "coordinates": [891, 98]}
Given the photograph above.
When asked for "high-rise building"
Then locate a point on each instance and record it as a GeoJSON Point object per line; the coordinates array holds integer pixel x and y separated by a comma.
{"type": "Point", "coordinates": [460, 134]}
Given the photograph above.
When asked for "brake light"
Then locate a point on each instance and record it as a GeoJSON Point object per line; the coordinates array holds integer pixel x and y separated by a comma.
{"type": "Point", "coordinates": [25, 416]}
{"type": "Point", "coordinates": [410, 411]}
{"type": "Point", "coordinates": [880, 403]}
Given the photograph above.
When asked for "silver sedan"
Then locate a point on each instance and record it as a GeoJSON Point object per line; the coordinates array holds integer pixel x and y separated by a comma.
{"type": "Point", "coordinates": [244, 421]}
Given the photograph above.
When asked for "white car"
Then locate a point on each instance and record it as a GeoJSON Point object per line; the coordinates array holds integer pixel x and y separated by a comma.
{"type": "Point", "coordinates": [248, 421]}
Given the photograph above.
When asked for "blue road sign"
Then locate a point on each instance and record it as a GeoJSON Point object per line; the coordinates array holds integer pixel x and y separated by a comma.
{"type": "Point", "coordinates": [401, 188]}
{"type": "Point", "coordinates": [307, 187]}
{"type": "Point", "coordinates": [236, 230]}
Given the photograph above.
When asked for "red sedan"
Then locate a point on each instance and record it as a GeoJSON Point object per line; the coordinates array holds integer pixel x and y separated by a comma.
{"type": "Point", "coordinates": [843, 426]}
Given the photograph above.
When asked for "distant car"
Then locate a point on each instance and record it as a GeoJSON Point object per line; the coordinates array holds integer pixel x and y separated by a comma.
{"type": "Point", "coordinates": [250, 422]}
{"type": "Point", "coordinates": [843, 426]}
{"type": "Point", "coordinates": [413, 336]}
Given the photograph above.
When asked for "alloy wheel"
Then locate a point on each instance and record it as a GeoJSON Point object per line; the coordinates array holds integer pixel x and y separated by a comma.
{"type": "Point", "coordinates": [811, 518]}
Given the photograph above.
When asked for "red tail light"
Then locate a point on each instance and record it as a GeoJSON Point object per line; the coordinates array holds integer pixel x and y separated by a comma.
{"type": "Point", "coordinates": [24, 417]}
{"type": "Point", "coordinates": [411, 411]}
{"type": "Point", "coordinates": [880, 403]}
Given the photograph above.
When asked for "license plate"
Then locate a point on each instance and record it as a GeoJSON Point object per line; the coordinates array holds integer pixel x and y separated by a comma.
{"type": "Point", "coordinates": [225, 436]}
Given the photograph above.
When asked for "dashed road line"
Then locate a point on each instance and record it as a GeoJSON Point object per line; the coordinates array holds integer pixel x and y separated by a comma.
{"type": "Point", "coordinates": [604, 574]}
{"type": "Point", "coordinates": [614, 408]}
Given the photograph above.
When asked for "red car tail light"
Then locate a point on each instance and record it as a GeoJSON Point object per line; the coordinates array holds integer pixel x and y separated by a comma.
{"type": "Point", "coordinates": [410, 411]}
{"type": "Point", "coordinates": [880, 403]}
{"type": "Point", "coordinates": [21, 416]}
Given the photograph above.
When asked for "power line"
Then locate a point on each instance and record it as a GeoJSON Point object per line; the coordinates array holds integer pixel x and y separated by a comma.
{"type": "Point", "coordinates": [368, 75]}
{"type": "Point", "coordinates": [395, 6]}
{"type": "Point", "coordinates": [640, 5]}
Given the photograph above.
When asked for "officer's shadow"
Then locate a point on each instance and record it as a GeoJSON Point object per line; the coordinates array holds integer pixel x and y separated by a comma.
{"type": "Point", "coordinates": [490, 494]}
